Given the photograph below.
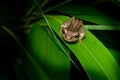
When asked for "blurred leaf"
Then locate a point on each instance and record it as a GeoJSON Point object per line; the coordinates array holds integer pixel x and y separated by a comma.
{"type": "Point", "coordinates": [87, 13]}
{"type": "Point", "coordinates": [92, 54]}
{"type": "Point", "coordinates": [47, 55]}
{"type": "Point", "coordinates": [30, 9]}
{"type": "Point", "coordinates": [116, 55]}
{"type": "Point", "coordinates": [102, 27]}
{"type": "Point", "coordinates": [30, 68]}
{"type": "Point", "coordinates": [117, 2]}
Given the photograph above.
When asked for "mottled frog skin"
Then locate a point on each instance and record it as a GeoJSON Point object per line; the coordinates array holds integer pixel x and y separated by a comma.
{"type": "Point", "coordinates": [72, 30]}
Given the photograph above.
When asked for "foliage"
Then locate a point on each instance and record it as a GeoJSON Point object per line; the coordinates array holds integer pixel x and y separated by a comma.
{"type": "Point", "coordinates": [40, 53]}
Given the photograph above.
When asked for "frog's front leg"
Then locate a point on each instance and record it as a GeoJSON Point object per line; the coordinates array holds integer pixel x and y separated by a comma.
{"type": "Point", "coordinates": [81, 36]}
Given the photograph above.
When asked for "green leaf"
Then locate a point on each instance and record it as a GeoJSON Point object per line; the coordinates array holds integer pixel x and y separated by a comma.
{"type": "Point", "coordinates": [91, 53]}
{"type": "Point", "coordinates": [102, 27]}
{"type": "Point", "coordinates": [87, 13]}
{"type": "Point", "coordinates": [48, 56]}
{"type": "Point", "coordinates": [116, 55]}
{"type": "Point", "coordinates": [30, 67]}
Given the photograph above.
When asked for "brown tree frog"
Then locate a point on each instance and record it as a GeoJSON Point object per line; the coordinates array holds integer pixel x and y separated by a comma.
{"type": "Point", "coordinates": [72, 30]}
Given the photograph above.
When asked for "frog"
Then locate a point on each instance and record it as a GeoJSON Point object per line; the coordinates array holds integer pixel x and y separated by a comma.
{"type": "Point", "coordinates": [72, 30]}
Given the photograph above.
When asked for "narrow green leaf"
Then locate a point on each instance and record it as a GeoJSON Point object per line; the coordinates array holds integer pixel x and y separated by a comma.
{"type": "Point", "coordinates": [92, 54]}
{"type": "Point", "coordinates": [102, 27]}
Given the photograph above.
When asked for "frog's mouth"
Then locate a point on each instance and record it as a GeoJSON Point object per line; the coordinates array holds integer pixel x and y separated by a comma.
{"type": "Point", "coordinates": [70, 39]}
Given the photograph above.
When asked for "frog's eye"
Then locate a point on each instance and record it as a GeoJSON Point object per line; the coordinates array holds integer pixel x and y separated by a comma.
{"type": "Point", "coordinates": [63, 31]}
{"type": "Point", "coordinates": [76, 36]}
